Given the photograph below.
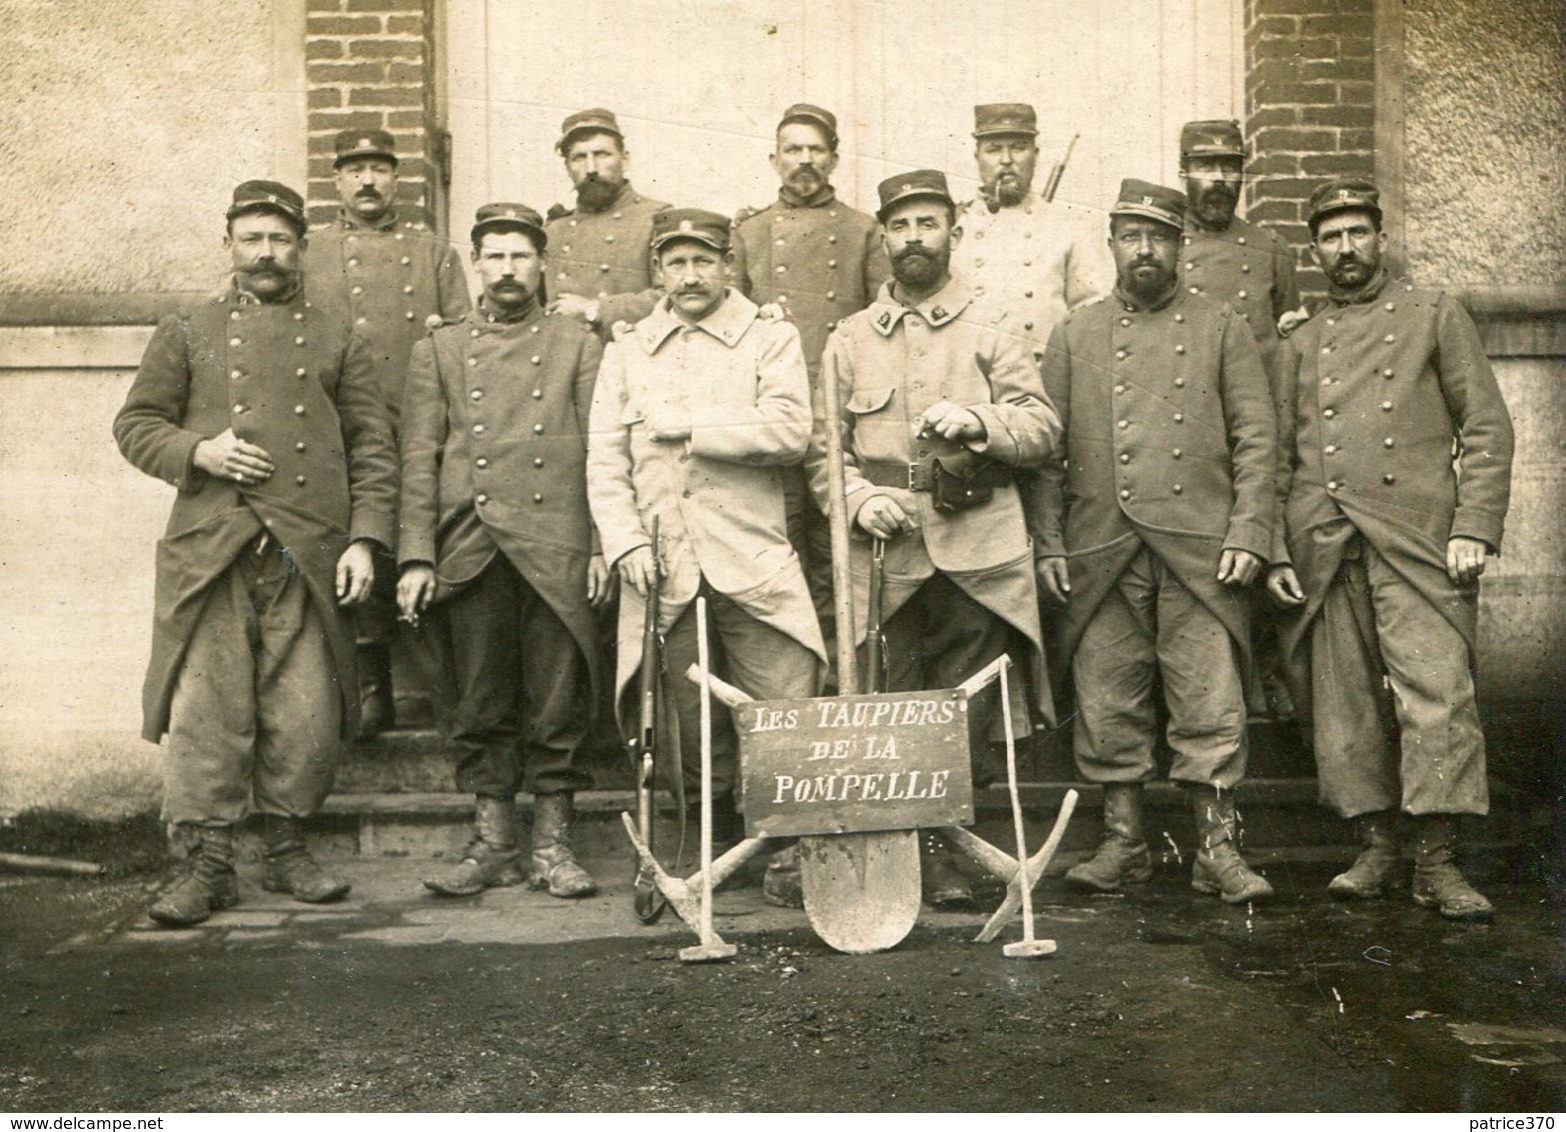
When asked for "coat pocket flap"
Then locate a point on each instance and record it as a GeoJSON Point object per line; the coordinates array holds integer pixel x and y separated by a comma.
{"type": "Point", "coordinates": [869, 400]}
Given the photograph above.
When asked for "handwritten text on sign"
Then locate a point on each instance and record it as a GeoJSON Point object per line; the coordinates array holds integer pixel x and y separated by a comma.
{"type": "Point", "coordinates": [853, 764]}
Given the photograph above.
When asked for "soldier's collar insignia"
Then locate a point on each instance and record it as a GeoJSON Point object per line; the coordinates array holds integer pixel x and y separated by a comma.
{"type": "Point", "coordinates": [885, 320]}
{"type": "Point", "coordinates": [938, 313]}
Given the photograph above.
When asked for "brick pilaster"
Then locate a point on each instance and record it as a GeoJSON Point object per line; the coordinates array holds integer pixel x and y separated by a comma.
{"type": "Point", "coordinates": [1310, 108]}
{"type": "Point", "coordinates": [371, 63]}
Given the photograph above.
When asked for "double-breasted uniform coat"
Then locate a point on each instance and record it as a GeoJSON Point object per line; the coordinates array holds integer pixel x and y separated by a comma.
{"type": "Point", "coordinates": [295, 381]}
{"type": "Point", "coordinates": [823, 261]}
{"type": "Point", "coordinates": [494, 455]}
{"type": "Point", "coordinates": [606, 255]}
{"type": "Point", "coordinates": [388, 279]}
{"type": "Point", "coordinates": [891, 363]}
{"type": "Point", "coordinates": [1248, 267]}
{"type": "Point", "coordinates": [1168, 450]}
{"type": "Point", "coordinates": [1396, 439]}
{"type": "Point", "coordinates": [1028, 264]}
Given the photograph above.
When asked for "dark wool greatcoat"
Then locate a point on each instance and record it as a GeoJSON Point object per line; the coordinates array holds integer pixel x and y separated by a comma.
{"type": "Point", "coordinates": [1169, 442]}
{"type": "Point", "coordinates": [824, 262]}
{"type": "Point", "coordinates": [294, 380]}
{"type": "Point", "coordinates": [388, 279]}
{"type": "Point", "coordinates": [494, 454]}
{"type": "Point", "coordinates": [1249, 268]}
{"type": "Point", "coordinates": [606, 256]}
{"type": "Point", "coordinates": [1376, 397]}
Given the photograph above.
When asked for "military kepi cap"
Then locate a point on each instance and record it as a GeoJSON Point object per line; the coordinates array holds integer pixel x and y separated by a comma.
{"type": "Point", "coordinates": [711, 228]}
{"type": "Point", "coordinates": [352, 144]}
{"type": "Point", "coordinates": [1342, 194]}
{"type": "Point", "coordinates": [1155, 202]}
{"type": "Point", "coordinates": [805, 112]}
{"type": "Point", "coordinates": [268, 196]}
{"type": "Point", "coordinates": [1216, 138]}
{"type": "Point", "coordinates": [1004, 118]}
{"type": "Point", "coordinates": [594, 121]}
{"type": "Point", "coordinates": [904, 186]}
{"type": "Point", "coordinates": [504, 216]}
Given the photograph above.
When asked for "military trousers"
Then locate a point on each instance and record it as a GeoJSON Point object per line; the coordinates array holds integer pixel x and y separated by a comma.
{"type": "Point", "coordinates": [256, 717]}
{"type": "Point", "coordinates": [762, 661]}
{"type": "Point", "coordinates": [524, 693]}
{"type": "Point", "coordinates": [1392, 703]}
{"type": "Point", "coordinates": [938, 638]}
{"type": "Point", "coordinates": [1151, 626]}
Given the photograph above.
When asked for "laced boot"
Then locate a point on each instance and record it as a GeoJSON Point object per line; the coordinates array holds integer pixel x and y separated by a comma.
{"type": "Point", "coordinates": [1122, 856]}
{"type": "Point", "coordinates": [491, 859]}
{"type": "Point", "coordinates": [945, 886]}
{"type": "Point", "coordinates": [1367, 878]}
{"type": "Point", "coordinates": [1219, 870]}
{"type": "Point", "coordinates": [204, 884]}
{"type": "Point", "coordinates": [289, 868]}
{"type": "Point", "coordinates": [376, 709]}
{"type": "Point", "coordinates": [554, 865]}
{"type": "Point", "coordinates": [781, 885]}
{"type": "Point", "coordinates": [1437, 882]}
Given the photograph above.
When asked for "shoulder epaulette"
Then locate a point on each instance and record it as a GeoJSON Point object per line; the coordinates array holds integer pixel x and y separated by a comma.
{"type": "Point", "coordinates": [434, 322]}
{"type": "Point", "coordinates": [557, 211]}
{"type": "Point", "coordinates": [745, 212]}
{"type": "Point", "coordinates": [620, 330]}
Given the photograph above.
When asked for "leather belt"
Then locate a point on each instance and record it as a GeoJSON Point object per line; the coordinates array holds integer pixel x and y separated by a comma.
{"type": "Point", "coordinates": [920, 476]}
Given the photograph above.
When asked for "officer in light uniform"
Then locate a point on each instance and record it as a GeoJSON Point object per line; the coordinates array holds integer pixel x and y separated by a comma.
{"type": "Point", "coordinates": [388, 275]}
{"type": "Point", "coordinates": [495, 529]}
{"type": "Point", "coordinates": [940, 411]}
{"type": "Point", "coordinates": [1159, 516]}
{"type": "Point", "coordinates": [262, 410]}
{"type": "Point", "coordinates": [1386, 535]}
{"type": "Point", "coordinates": [698, 410]}
{"type": "Point", "coordinates": [600, 268]}
{"type": "Point", "coordinates": [1028, 260]}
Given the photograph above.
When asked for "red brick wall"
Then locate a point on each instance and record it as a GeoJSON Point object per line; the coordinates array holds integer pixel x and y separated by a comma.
{"type": "Point", "coordinates": [371, 63]}
{"type": "Point", "coordinates": [1310, 108]}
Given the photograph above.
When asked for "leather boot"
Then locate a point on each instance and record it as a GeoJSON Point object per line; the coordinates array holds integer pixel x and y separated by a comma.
{"type": "Point", "coordinates": [1378, 864]}
{"type": "Point", "coordinates": [944, 885]}
{"type": "Point", "coordinates": [554, 865]}
{"type": "Point", "coordinates": [782, 885]}
{"type": "Point", "coordinates": [491, 859]}
{"type": "Point", "coordinates": [205, 882]}
{"type": "Point", "coordinates": [1122, 856]}
{"type": "Point", "coordinates": [376, 710]}
{"type": "Point", "coordinates": [1437, 882]}
{"type": "Point", "coordinates": [288, 866]}
{"type": "Point", "coordinates": [1219, 870]}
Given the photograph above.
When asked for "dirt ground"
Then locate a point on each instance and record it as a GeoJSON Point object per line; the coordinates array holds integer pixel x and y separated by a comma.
{"type": "Point", "coordinates": [1159, 1001]}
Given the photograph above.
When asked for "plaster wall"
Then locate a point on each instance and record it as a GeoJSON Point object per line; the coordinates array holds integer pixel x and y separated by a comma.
{"type": "Point", "coordinates": [134, 121]}
{"type": "Point", "coordinates": [1485, 142]}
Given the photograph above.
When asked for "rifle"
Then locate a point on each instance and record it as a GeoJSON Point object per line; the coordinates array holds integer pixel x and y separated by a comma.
{"type": "Point", "coordinates": [874, 646]}
{"type": "Point", "coordinates": [1058, 170]}
{"type": "Point", "coordinates": [649, 901]}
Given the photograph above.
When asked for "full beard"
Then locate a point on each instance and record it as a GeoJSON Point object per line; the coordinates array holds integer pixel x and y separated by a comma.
{"type": "Point", "coordinates": [1006, 192]}
{"type": "Point", "coordinates": [920, 267]}
{"type": "Point", "coordinates": [1214, 206]}
{"type": "Point", "coordinates": [805, 182]}
{"type": "Point", "coordinates": [594, 195]}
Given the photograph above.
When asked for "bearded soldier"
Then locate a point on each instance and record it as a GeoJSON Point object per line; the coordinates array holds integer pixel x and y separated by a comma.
{"type": "Point", "coordinates": [1386, 536]}
{"type": "Point", "coordinates": [940, 410]}
{"type": "Point", "coordinates": [600, 270]}
{"type": "Point", "coordinates": [1158, 516]}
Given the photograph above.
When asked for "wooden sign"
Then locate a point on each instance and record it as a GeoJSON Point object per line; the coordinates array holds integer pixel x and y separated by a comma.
{"type": "Point", "coordinates": [855, 764]}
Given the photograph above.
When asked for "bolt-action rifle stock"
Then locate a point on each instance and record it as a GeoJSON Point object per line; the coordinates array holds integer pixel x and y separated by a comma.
{"type": "Point", "coordinates": [650, 903]}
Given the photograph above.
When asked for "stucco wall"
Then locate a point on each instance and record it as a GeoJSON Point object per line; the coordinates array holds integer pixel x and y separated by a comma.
{"type": "Point", "coordinates": [77, 531]}
{"type": "Point", "coordinates": [1485, 143]}
{"type": "Point", "coordinates": [128, 124]}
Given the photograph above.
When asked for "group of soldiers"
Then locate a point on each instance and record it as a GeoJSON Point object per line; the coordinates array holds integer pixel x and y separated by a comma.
{"type": "Point", "coordinates": [1109, 452]}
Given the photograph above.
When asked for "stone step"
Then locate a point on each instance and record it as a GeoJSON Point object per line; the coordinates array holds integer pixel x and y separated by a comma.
{"type": "Point", "coordinates": [1278, 817]}
{"type": "Point", "coordinates": [413, 761]}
